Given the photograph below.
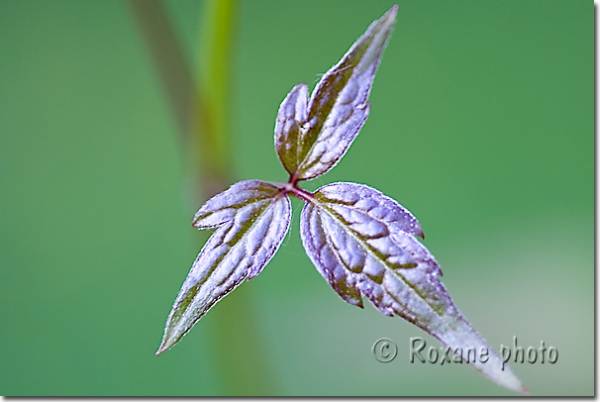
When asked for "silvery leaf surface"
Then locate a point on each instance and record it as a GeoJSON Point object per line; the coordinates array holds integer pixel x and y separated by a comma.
{"type": "Point", "coordinates": [290, 128]}
{"type": "Point", "coordinates": [363, 243]}
{"type": "Point", "coordinates": [312, 136]}
{"type": "Point", "coordinates": [252, 219]}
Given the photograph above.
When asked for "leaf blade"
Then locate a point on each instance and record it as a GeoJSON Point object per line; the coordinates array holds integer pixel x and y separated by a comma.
{"type": "Point", "coordinates": [337, 230]}
{"type": "Point", "coordinates": [338, 108]}
{"type": "Point", "coordinates": [323, 128]}
{"type": "Point", "coordinates": [245, 241]}
{"type": "Point", "coordinates": [291, 117]}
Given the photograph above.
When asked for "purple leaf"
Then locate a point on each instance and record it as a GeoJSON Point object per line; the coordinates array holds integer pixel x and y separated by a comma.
{"type": "Point", "coordinates": [253, 218]}
{"type": "Point", "coordinates": [289, 132]}
{"type": "Point", "coordinates": [311, 137]}
{"type": "Point", "coordinates": [363, 244]}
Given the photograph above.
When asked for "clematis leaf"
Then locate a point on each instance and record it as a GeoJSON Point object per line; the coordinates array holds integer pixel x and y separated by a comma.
{"type": "Point", "coordinates": [252, 219]}
{"type": "Point", "coordinates": [312, 136]}
{"type": "Point", "coordinates": [363, 243]}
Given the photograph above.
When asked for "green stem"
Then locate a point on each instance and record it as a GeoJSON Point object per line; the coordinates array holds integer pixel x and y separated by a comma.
{"type": "Point", "coordinates": [211, 145]}
{"type": "Point", "coordinates": [201, 110]}
{"type": "Point", "coordinates": [240, 357]}
{"type": "Point", "coordinates": [169, 59]}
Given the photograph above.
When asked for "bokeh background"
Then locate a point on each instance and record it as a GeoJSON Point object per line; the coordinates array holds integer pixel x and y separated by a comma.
{"type": "Point", "coordinates": [482, 124]}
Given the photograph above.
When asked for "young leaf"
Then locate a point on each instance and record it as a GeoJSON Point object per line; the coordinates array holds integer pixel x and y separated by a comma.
{"type": "Point", "coordinates": [363, 243]}
{"type": "Point", "coordinates": [290, 127]}
{"type": "Point", "coordinates": [310, 138]}
{"type": "Point", "coordinates": [253, 218]}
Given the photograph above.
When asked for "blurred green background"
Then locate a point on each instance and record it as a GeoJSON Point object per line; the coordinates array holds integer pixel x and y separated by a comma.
{"type": "Point", "coordinates": [482, 124]}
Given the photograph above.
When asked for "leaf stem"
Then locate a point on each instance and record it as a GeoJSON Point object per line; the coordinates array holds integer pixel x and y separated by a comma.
{"type": "Point", "coordinates": [293, 178]}
{"type": "Point", "coordinates": [292, 188]}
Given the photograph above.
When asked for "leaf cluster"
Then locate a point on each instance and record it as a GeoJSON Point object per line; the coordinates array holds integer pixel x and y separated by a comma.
{"type": "Point", "coordinates": [362, 242]}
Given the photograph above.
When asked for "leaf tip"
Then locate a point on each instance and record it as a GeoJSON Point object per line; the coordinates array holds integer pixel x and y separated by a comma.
{"type": "Point", "coordinates": [160, 350]}
{"type": "Point", "coordinates": [195, 221]}
{"type": "Point", "coordinates": [394, 10]}
{"type": "Point", "coordinates": [508, 380]}
{"type": "Point", "coordinates": [166, 344]}
{"type": "Point", "coordinates": [169, 340]}
{"type": "Point", "coordinates": [390, 16]}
